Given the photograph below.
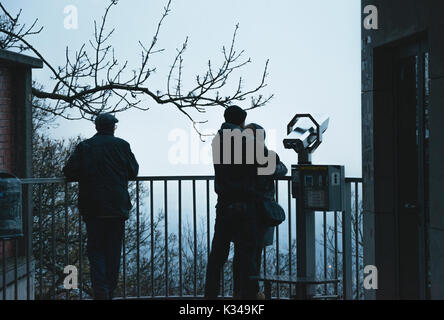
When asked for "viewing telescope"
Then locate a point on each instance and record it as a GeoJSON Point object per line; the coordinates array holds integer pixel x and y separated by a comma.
{"type": "Point", "coordinates": [316, 188]}
{"type": "Point", "coordinates": [305, 134]}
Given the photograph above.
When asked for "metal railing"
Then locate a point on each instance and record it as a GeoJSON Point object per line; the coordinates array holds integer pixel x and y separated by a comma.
{"type": "Point", "coordinates": [165, 249]}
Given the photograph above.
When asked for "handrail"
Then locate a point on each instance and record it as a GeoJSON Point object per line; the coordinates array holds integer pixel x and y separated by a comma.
{"type": "Point", "coordinates": [158, 178]}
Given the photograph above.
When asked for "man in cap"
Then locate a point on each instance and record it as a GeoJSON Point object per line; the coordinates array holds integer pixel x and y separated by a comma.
{"type": "Point", "coordinates": [103, 165]}
{"type": "Point", "coordinates": [235, 211]}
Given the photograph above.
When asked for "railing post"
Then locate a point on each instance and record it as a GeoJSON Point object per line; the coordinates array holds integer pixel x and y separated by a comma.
{"type": "Point", "coordinates": [195, 240]}
{"type": "Point", "coordinates": [180, 238]}
{"type": "Point", "coordinates": [278, 271]}
{"type": "Point", "coordinates": [347, 285]}
{"type": "Point", "coordinates": [53, 243]}
{"type": "Point", "coordinates": [324, 241]}
{"type": "Point", "coordinates": [152, 235]}
{"type": "Point", "coordinates": [165, 191]}
{"type": "Point", "coordinates": [28, 219]}
{"type": "Point", "coordinates": [290, 262]}
{"type": "Point", "coordinates": [336, 251]}
{"type": "Point", "coordinates": [65, 206]}
{"type": "Point", "coordinates": [138, 237]}
{"type": "Point", "coordinates": [80, 259]}
{"type": "Point", "coordinates": [4, 269]}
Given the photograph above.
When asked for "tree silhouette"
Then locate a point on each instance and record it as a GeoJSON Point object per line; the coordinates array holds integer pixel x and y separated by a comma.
{"type": "Point", "coordinates": [93, 80]}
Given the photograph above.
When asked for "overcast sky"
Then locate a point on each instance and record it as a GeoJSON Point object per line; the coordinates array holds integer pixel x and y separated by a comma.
{"type": "Point", "coordinates": [314, 52]}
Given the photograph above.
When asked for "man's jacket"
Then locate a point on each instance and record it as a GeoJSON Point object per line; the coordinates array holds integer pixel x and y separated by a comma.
{"type": "Point", "coordinates": [232, 182]}
{"type": "Point", "coordinates": [103, 165]}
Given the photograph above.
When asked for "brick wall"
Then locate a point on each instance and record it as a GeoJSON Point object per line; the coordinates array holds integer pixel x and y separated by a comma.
{"type": "Point", "coordinates": [5, 119]}
{"type": "Point", "coordinates": [6, 133]}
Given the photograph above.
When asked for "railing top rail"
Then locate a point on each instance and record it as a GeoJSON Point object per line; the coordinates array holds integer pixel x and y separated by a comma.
{"type": "Point", "coordinates": [157, 178]}
{"type": "Point", "coordinates": [42, 180]}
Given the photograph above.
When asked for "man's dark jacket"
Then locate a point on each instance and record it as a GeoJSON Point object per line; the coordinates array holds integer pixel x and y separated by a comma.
{"type": "Point", "coordinates": [103, 165]}
{"type": "Point", "coordinates": [232, 182]}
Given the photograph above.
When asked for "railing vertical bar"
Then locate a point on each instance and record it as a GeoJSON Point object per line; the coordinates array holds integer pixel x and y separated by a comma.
{"type": "Point", "coordinates": [124, 262]}
{"type": "Point", "coordinates": [357, 239]}
{"type": "Point", "coordinates": [208, 218]}
{"type": "Point", "coordinates": [223, 280]}
{"type": "Point", "coordinates": [324, 224]}
{"type": "Point", "coordinates": [290, 269]}
{"type": "Point", "coordinates": [4, 268]}
{"type": "Point", "coordinates": [138, 236]}
{"type": "Point", "coordinates": [40, 241]}
{"type": "Point", "coordinates": [15, 269]}
{"type": "Point", "coordinates": [296, 236]}
{"type": "Point", "coordinates": [28, 240]}
{"type": "Point", "coordinates": [278, 271]}
{"type": "Point", "coordinates": [80, 259]}
{"type": "Point", "coordinates": [165, 190]}
{"type": "Point", "coordinates": [66, 232]}
{"type": "Point", "coordinates": [265, 261]}
{"type": "Point", "coordinates": [152, 235]}
{"type": "Point", "coordinates": [336, 250]}
{"type": "Point", "coordinates": [53, 242]}
{"type": "Point", "coordinates": [195, 237]}
{"type": "Point", "coordinates": [347, 275]}
{"type": "Point", "coordinates": [180, 239]}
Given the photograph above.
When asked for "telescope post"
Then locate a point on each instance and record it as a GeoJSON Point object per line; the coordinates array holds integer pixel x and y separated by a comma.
{"type": "Point", "coordinates": [304, 157]}
{"type": "Point", "coordinates": [305, 239]}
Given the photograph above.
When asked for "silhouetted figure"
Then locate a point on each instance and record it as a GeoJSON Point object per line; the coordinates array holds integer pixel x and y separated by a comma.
{"type": "Point", "coordinates": [103, 165]}
{"type": "Point", "coordinates": [235, 211]}
{"type": "Point", "coordinates": [264, 190]}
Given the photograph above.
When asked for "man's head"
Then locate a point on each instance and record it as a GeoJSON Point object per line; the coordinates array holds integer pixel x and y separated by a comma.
{"type": "Point", "coordinates": [235, 115]}
{"type": "Point", "coordinates": [105, 122]}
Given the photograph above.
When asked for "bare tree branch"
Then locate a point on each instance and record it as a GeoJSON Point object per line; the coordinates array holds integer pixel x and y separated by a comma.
{"type": "Point", "coordinates": [92, 80]}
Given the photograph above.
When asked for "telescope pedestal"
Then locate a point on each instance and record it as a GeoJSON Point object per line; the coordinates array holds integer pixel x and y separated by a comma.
{"type": "Point", "coordinates": [304, 157]}
{"type": "Point", "coordinates": [305, 240]}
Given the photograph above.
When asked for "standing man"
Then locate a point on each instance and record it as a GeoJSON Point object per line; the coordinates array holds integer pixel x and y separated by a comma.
{"type": "Point", "coordinates": [103, 165]}
{"type": "Point", "coordinates": [264, 188]}
{"type": "Point", "coordinates": [235, 211]}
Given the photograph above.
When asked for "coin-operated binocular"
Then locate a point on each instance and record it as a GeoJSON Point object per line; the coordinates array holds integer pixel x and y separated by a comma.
{"type": "Point", "coordinates": [317, 187]}
{"type": "Point", "coordinates": [305, 135]}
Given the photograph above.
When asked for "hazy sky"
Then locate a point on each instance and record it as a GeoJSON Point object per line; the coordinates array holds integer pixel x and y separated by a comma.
{"type": "Point", "coordinates": [314, 52]}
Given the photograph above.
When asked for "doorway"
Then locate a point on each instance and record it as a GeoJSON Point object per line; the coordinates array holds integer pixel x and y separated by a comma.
{"type": "Point", "coordinates": [411, 166]}
{"type": "Point", "coordinates": [401, 140]}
